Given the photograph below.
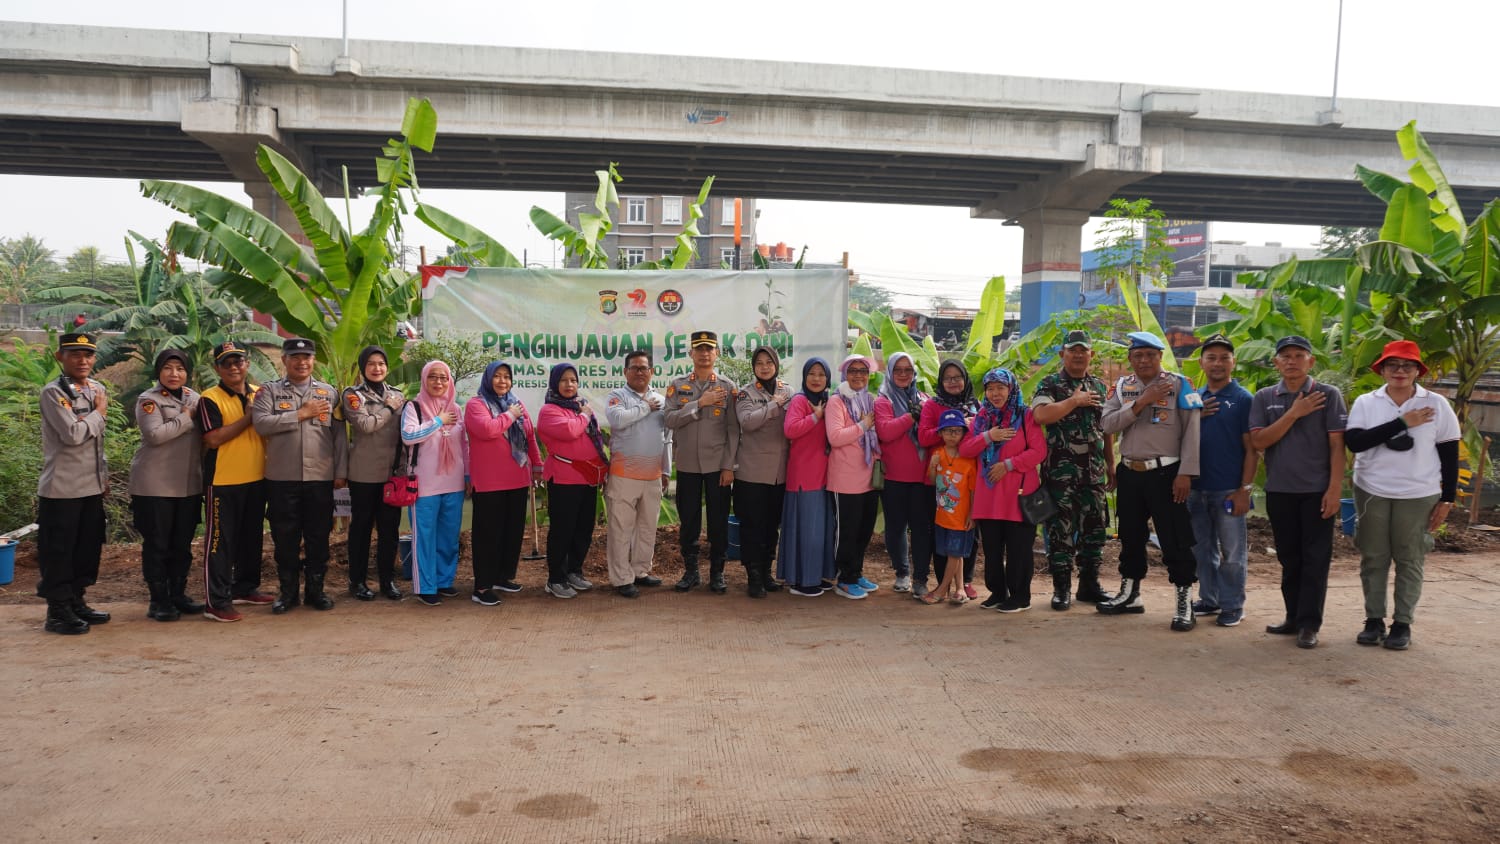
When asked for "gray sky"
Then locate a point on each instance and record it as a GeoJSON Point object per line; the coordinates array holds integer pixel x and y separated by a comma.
{"type": "Point", "coordinates": [1391, 50]}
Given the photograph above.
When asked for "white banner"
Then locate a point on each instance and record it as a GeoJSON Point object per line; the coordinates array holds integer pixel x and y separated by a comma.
{"type": "Point", "coordinates": [533, 319]}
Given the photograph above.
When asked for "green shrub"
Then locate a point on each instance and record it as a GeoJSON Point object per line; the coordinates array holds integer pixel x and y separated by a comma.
{"type": "Point", "coordinates": [22, 466]}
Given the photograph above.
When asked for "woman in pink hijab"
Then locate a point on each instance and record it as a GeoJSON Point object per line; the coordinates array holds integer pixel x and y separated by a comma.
{"type": "Point", "coordinates": [432, 428]}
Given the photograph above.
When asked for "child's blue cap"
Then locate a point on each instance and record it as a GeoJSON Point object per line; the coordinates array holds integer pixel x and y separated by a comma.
{"type": "Point", "coordinates": [952, 418]}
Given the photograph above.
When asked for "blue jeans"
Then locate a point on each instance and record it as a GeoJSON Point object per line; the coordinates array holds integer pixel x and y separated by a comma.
{"type": "Point", "coordinates": [1221, 548]}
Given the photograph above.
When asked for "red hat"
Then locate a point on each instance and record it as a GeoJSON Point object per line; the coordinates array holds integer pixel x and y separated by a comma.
{"type": "Point", "coordinates": [1403, 350]}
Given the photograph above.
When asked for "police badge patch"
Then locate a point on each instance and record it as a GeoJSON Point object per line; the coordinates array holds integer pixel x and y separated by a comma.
{"type": "Point", "coordinates": [608, 301]}
{"type": "Point", "coordinates": [148, 407]}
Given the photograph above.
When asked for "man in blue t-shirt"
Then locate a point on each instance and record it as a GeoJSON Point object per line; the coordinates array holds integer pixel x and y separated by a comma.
{"type": "Point", "coordinates": [1221, 493]}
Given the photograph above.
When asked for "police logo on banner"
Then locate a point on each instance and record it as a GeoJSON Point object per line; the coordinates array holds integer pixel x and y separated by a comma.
{"type": "Point", "coordinates": [607, 301]}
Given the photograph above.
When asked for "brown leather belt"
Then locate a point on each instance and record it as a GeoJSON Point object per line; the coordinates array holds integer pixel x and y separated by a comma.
{"type": "Point", "coordinates": [1148, 465]}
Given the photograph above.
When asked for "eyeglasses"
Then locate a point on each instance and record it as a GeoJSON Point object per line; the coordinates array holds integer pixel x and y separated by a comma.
{"type": "Point", "coordinates": [440, 378]}
{"type": "Point", "coordinates": [903, 370]}
{"type": "Point", "coordinates": [1399, 366]}
{"type": "Point", "coordinates": [953, 379]}
{"type": "Point", "coordinates": [637, 369]}
{"type": "Point", "coordinates": [855, 371]}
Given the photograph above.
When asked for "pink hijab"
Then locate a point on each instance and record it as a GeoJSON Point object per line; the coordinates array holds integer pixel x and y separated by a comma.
{"type": "Point", "coordinates": [432, 406]}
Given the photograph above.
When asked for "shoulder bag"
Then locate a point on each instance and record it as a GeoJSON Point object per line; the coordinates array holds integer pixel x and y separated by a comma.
{"type": "Point", "coordinates": [1038, 506]}
{"type": "Point", "coordinates": [401, 489]}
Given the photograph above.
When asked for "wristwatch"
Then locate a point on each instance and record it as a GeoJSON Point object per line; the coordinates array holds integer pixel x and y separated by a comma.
{"type": "Point", "coordinates": [1248, 486]}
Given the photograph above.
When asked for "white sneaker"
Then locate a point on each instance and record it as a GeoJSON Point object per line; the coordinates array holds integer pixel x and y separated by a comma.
{"type": "Point", "coordinates": [561, 590]}
{"type": "Point", "coordinates": [903, 584]}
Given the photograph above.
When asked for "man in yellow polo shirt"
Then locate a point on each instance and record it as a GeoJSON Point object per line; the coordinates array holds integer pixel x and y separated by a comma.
{"type": "Point", "coordinates": [234, 470]}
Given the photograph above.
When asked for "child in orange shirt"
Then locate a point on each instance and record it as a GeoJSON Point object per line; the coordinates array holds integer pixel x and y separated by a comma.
{"type": "Point", "coordinates": [953, 480]}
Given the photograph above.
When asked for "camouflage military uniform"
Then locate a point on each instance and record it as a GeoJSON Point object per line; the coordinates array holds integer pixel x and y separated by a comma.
{"type": "Point", "coordinates": [1076, 473]}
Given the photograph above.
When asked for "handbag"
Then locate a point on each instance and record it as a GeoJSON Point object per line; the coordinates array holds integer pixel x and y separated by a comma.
{"type": "Point", "coordinates": [594, 470]}
{"type": "Point", "coordinates": [1037, 506]}
{"type": "Point", "coordinates": [401, 489]}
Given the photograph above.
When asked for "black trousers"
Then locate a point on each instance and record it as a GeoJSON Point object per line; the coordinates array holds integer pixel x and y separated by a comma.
{"type": "Point", "coordinates": [301, 515]}
{"type": "Point", "coordinates": [368, 511]}
{"type": "Point", "coordinates": [758, 507]}
{"type": "Point", "coordinates": [909, 506]}
{"type": "Point", "coordinates": [70, 538]}
{"type": "Point", "coordinates": [856, 519]}
{"type": "Point", "coordinates": [1304, 546]}
{"type": "Point", "coordinates": [570, 528]}
{"type": "Point", "coordinates": [166, 526]}
{"type": "Point", "coordinates": [234, 525]}
{"type": "Point", "coordinates": [499, 528]}
{"type": "Point", "coordinates": [1007, 558]}
{"type": "Point", "coordinates": [1148, 495]}
{"type": "Point", "coordinates": [693, 489]}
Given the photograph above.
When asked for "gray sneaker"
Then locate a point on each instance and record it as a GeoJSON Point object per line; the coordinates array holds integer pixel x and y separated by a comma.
{"type": "Point", "coordinates": [903, 584]}
{"type": "Point", "coordinates": [918, 590]}
{"type": "Point", "coordinates": [561, 590]}
{"type": "Point", "coordinates": [577, 582]}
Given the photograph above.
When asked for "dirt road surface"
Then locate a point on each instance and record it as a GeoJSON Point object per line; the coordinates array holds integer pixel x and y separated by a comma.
{"type": "Point", "coordinates": [707, 718]}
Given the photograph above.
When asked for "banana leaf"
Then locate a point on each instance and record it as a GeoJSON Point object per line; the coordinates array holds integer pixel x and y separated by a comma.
{"type": "Point", "coordinates": [331, 244]}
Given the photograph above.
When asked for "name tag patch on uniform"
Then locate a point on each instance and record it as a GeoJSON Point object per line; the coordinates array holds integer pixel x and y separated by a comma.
{"type": "Point", "coordinates": [148, 406]}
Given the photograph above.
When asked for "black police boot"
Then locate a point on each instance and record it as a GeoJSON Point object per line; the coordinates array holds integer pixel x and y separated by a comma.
{"type": "Point", "coordinates": [716, 577]}
{"type": "Point", "coordinates": [161, 608]}
{"type": "Point", "coordinates": [361, 591]}
{"type": "Point", "coordinates": [62, 619]}
{"type": "Point", "coordinates": [1062, 584]}
{"type": "Point", "coordinates": [287, 598]}
{"type": "Point", "coordinates": [389, 589]}
{"type": "Point", "coordinates": [88, 613]}
{"type": "Point", "coordinates": [767, 579]}
{"type": "Point", "coordinates": [1088, 586]}
{"type": "Point", "coordinates": [753, 584]}
{"type": "Point", "coordinates": [1399, 638]}
{"type": "Point", "coordinates": [1182, 618]}
{"type": "Point", "coordinates": [316, 598]}
{"type": "Point", "coordinates": [180, 600]}
{"type": "Point", "coordinates": [1127, 601]}
{"type": "Point", "coordinates": [690, 578]}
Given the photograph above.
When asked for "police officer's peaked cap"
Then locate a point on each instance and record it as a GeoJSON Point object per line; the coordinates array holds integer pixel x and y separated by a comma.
{"type": "Point", "coordinates": [704, 338]}
{"type": "Point", "coordinates": [298, 346]}
{"type": "Point", "coordinates": [1145, 340]}
{"type": "Point", "coordinates": [76, 340]}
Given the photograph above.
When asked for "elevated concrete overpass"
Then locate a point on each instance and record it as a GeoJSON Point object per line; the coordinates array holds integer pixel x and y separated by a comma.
{"type": "Point", "coordinates": [111, 102]}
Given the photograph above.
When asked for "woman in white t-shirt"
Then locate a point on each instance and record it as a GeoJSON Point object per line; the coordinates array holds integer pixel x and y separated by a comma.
{"type": "Point", "coordinates": [1405, 443]}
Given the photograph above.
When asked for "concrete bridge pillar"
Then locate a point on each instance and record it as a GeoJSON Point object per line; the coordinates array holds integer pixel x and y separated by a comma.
{"type": "Point", "coordinates": [1051, 250]}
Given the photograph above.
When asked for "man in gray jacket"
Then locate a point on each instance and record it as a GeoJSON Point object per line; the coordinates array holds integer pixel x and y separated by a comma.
{"type": "Point", "coordinates": [640, 463]}
{"type": "Point", "coordinates": [305, 460]}
{"type": "Point", "coordinates": [70, 492]}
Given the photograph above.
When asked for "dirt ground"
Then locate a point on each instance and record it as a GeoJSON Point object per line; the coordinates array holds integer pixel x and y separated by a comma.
{"type": "Point", "coordinates": [698, 717]}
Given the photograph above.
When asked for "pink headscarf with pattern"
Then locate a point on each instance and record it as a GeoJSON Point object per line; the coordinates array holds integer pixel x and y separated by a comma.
{"type": "Point", "coordinates": [432, 406]}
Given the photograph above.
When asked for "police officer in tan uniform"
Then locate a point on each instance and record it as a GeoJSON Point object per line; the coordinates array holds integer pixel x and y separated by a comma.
{"type": "Point", "coordinates": [706, 432]}
{"type": "Point", "coordinates": [166, 485]}
{"type": "Point", "coordinates": [305, 460]}
{"type": "Point", "coordinates": [70, 492]}
{"type": "Point", "coordinates": [373, 410]}
{"type": "Point", "coordinates": [1157, 415]}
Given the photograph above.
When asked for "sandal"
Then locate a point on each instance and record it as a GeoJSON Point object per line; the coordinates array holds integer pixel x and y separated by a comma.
{"type": "Point", "coordinates": [930, 598]}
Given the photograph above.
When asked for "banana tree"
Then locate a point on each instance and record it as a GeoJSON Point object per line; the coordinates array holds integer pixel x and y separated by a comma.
{"type": "Point", "coordinates": [345, 294]}
{"type": "Point", "coordinates": [166, 309]}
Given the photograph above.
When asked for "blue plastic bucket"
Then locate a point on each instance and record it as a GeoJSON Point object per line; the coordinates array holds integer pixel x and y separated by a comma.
{"type": "Point", "coordinates": [7, 562]}
{"type": "Point", "coordinates": [734, 538]}
{"type": "Point", "coordinates": [403, 550]}
{"type": "Point", "coordinates": [1347, 517]}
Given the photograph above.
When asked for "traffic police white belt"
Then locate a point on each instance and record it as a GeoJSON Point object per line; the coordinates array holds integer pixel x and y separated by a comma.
{"type": "Point", "coordinates": [1148, 465]}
